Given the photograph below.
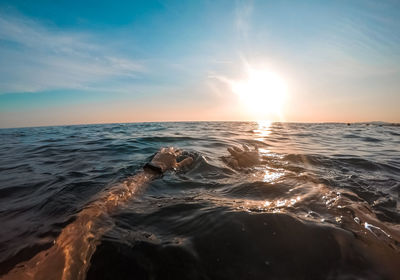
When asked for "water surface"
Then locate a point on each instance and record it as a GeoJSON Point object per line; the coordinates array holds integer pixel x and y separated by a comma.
{"type": "Point", "coordinates": [324, 203]}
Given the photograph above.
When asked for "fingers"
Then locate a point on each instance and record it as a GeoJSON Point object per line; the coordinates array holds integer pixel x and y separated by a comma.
{"type": "Point", "coordinates": [232, 151]}
{"type": "Point", "coordinates": [178, 152]}
{"type": "Point", "coordinates": [170, 150]}
{"type": "Point", "coordinates": [185, 162]}
{"type": "Point", "coordinates": [166, 159]}
{"type": "Point", "coordinates": [166, 150]}
{"type": "Point", "coordinates": [237, 149]}
{"type": "Point", "coordinates": [234, 163]}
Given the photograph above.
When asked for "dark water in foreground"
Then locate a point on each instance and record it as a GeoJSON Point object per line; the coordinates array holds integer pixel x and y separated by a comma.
{"type": "Point", "coordinates": [324, 204]}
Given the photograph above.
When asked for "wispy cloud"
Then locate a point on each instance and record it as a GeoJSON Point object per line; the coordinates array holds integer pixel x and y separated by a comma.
{"type": "Point", "coordinates": [37, 57]}
{"type": "Point", "coordinates": [244, 10]}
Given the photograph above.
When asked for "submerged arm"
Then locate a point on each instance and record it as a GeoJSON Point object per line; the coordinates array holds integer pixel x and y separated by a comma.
{"type": "Point", "coordinates": [70, 255]}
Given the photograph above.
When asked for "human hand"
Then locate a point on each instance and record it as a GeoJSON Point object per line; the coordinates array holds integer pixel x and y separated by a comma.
{"type": "Point", "coordinates": [242, 158]}
{"type": "Point", "coordinates": [166, 159]}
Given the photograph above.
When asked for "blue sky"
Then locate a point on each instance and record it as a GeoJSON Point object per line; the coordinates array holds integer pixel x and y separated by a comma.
{"type": "Point", "coordinates": [71, 62]}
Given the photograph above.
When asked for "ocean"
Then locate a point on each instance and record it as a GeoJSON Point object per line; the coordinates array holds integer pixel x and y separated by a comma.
{"type": "Point", "coordinates": [322, 202]}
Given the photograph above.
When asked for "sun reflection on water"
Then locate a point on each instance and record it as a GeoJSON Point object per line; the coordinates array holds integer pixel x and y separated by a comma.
{"type": "Point", "coordinates": [264, 128]}
{"type": "Point", "coordinates": [271, 176]}
{"type": "Point", "coordinates": [271, 206]}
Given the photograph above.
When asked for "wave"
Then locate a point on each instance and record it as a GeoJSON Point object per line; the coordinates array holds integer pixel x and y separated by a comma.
{"type": "Point", "coordinates": [321, 203]}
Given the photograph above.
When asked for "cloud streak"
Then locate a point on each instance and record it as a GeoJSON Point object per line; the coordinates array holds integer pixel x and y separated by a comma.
{"type": "Point", "coordinates": [38, 57]}
{"type": "Point", "coordinates": [244, 11]}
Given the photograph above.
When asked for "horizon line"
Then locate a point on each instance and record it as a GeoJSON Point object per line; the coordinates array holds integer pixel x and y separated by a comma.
{"type": "Point", "coordinates": [199, 121]}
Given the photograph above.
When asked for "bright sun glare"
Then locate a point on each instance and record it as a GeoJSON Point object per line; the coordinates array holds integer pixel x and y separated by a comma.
{"type": "Point", "coordinates": [262, 92]}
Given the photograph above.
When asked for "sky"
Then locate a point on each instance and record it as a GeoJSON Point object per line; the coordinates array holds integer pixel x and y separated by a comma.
{"type": "Point", "coordinates": [79, 62]}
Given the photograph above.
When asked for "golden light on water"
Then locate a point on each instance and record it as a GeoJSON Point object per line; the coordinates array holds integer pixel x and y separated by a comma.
{"type": "Point", "coordinates": [264, 129]}
{"type": "Point", "coordinates": [271, 176]}
{"type": "Point", "coordinates": [263, 92]}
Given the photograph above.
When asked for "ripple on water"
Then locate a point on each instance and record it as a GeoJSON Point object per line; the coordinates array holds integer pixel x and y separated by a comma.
{"type": "Point", "coordinates": [323, 203]}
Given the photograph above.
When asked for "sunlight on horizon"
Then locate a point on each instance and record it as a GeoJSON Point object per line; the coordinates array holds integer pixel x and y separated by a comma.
{"type": "Point", "coordinates": [262, 92]}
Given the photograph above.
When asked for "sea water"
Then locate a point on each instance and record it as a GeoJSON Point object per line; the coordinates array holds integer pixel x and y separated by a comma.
{"type": "Point", "coordinates": [322, 203]}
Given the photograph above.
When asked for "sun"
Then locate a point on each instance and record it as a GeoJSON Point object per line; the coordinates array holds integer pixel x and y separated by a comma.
{"type": "Point", "coordinates": [262, 92]}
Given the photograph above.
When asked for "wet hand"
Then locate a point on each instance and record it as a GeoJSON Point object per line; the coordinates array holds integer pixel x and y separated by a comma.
{"type": "Point", "coordinates": [166, 159]}
{"type": "Point", "coordinates": [242, 158]}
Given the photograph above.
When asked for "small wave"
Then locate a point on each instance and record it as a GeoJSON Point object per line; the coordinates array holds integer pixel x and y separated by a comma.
{"type": "Point", "coordinates": [257, 190]}
{"type": "Point", "coordinates": [165, 140]}
{"type": "Point", "coordinates": [17, 168]}
{"type": "Point", "coordinates": [371, 139]}
{"type": "Point", "coordinates": [333, 187]}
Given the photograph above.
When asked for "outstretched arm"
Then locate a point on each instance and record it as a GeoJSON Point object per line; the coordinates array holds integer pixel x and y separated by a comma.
{"type": "Point", "coordinates": [70, 255]}
{"type": "Point", "coordinates": [164, 160]}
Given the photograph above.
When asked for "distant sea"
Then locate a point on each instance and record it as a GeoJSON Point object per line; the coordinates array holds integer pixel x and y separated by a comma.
{"type": "Point", "coordinates": [324, 203]}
